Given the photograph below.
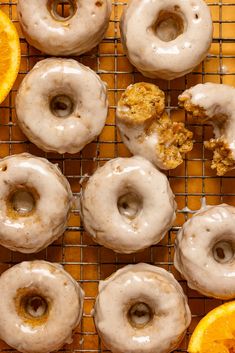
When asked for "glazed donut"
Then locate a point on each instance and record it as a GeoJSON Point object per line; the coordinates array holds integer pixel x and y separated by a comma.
{"type": "Point", "coordinates": [147, 130]}
{"type": "Point", "coordinates": [137, 302]}
{"type": "Point", "coordinates": [82, 28]}
{"type": "Point", "coordinates": [205, 251]}
{"type": "Point", "coordinates": [41, 305]}
{"type": "Point", "coordinates": [127, 205]}
{"type": "Point", "coordinates": [35, 201]}
{"type": "Point", "coordinates": [171, 38]}
{"type": "Point", "coordinates": [215, 103]}
{"type": "Point", "coordinates": [61, 105]}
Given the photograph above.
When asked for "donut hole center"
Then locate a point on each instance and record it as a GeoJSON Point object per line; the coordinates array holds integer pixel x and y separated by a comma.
{"type": "Point", "coordinates": [22, 201]}
{"type": "Point", "coordinates": [62, 106]}
{"type": "Point", "coordinates": [169, 26]}
{"type": "Point", "coordinates": [223, 252]}
{"type": "Point", "coordinates": [31, 306]}
{"type": "Point", "coordinates": [130, 205]}
{"type": "Point", "coordinates": [62, 10]}
{"type": "Point", "coordinates": [139, 315]}
{"type": "Point", "coordinates": [36, 306]}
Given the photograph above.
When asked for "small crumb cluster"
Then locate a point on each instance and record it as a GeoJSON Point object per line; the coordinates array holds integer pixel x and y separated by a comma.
{"type": "Point", "coordinates": [142, 107]}
{"type": "Point", "coordinates": [223, 160]}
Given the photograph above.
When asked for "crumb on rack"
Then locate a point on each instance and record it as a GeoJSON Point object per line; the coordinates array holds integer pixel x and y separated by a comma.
{"type": "Point", "coordinates": [223, 160]}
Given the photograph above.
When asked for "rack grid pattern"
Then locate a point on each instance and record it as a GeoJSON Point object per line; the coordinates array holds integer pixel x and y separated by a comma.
{"type": "Point", "coordinates": [193, 182]}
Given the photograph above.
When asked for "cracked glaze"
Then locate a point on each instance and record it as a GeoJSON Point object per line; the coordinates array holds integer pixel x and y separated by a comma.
{"type": "Point", "coordinates": [194, 256]}
{"type": "Point", "coordinates": [51, 78]}
{"type": "Point", "coordinates": [57, 36]}
{"type": "Point", "coordinates": [63, 295]}
{"type": "Point", "coordinates": [147, 284]}
{"type": "Point", "coordinates": [53, 202]}
{"type": "Point", "coordinates": [154, 57]}
{"type": "Point", "coordinates": [145, 217]}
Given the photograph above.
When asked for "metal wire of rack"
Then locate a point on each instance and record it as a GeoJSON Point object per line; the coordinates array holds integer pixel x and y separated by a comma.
{"type": "Point", "coordinates": [192, 181]}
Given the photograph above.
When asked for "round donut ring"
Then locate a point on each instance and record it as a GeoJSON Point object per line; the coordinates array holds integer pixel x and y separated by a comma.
{"type": "Point", "coordinates": [171, 38]}
{"type": "Point", "coordinates": [205, 251]}
{"type": "Point", "coordinates": [61, 105]}
{"type": "Point", "coordinates": [135, 303]}
{"type": "Point", "coordinates": [41, 305]}
{"type": "Point", "coordinates": [127, 205]}
{"type": "Point", "coordinates": [80, 31]}
{"type": "Point", "coordinates": [35, 201]}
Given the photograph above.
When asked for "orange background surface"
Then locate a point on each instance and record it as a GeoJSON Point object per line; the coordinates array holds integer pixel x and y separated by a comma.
{"type": "Point", "coordinates": [86, 261]}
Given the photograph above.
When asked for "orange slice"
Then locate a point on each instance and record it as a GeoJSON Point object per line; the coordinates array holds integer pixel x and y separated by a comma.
{"type": "Point", "coordinates": [215, 333]}
{"type": "Point", "coordinates": [9, 55]}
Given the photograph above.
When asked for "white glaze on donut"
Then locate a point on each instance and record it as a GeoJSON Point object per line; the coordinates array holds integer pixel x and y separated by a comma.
{"type": "Point", "coordinates": [205, 251]}
{"type": "Point", "coordinates": [55, 35]}
{"type": "Point", "coordinates": [53, 78]}
{"type": "Point", "coordinates": [151, 286]}
{"type": "Point", "coordinates": [52, 198]}
{"type": "Point", "coordinates": [145, 146]}
{"type": "Point", "coordinates": [62, 295]}
{"type": "Point", "coordinates": [170, 59]}
{"type": "Point", "coordinates": [127, 205]}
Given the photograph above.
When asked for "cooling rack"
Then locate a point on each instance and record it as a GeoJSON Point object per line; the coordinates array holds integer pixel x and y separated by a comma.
{"type": "Point", "coordinates": [192, 182]}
